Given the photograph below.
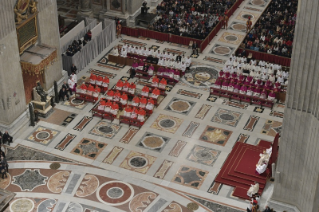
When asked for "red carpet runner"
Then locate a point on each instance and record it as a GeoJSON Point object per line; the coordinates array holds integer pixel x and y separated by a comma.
{"type": "Point", "coordinates": [239, 168]}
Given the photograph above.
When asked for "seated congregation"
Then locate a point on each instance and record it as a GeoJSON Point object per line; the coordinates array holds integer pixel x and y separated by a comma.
{"type": "Point", "coordinates": [194, 19]}
{"type": "Point", "coordinates": [274, 31]}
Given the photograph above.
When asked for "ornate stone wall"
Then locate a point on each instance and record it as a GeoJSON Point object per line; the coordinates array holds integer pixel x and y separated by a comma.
{"type": "Point", "coordinates": [298, 166]}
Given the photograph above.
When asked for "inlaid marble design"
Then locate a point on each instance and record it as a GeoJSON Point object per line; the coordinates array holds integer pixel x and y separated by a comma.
{"type": "Point", "coordinates": [155, 47]}
{"type": "Point", "coordinates": [180, 106]}
{"type": "Point", "coordinates": [231, 38]}
{"type": "Point", "coordinates": [105, 129]}
{"type": "Point", "coordinates": [212, 98]}
{"type": "Point", "coordinates": [83, 123]}
{"type": "Point", "coordinates": [132, 42]}
{"type": "Point", "coordinates": [238, 26]}
{"type": "Point", "coordinates": [260, 3]}
{"type": "Point", "coordinates": [253, 9]}
{"type": "Point", "coordinates": [215, 135]}
{"type": "Point", "coordinates": [141, 201]}
{"type": "Point", "coordinates": [251, 123]}
{"type": "Point", "coordinates": [29, 179]}
{"type": "Point", "coordinates": [242, 138]}
{"type": "Point", "coordinates": [203, 111]}
{"type": "Point", "coordinates": [113, 155]}
{"type": "Point", "coordinates": [74, 207]}
{"type": "Point", "coordinates": [235, 104]}
{"type": "Point", "coordinates": [57, 181]}
{"type": "Point", "coordinates": [271, 128]}
{"type": "Point", "coordinates": [4, 183]}
{"type": "Point", "coordinates": [88, 186]}
{"type": "Point", "coordinates": [259, 110]}
{"type": "Point", "coordinates": [43, 135]}
{"type": "Point", "coordinates": [227, 117]}
{"type": "Point", "coordinates": [101, 73]}
{"type": "Point", "coordinates": [203, 155]}
{"type": "Point", "coordinates": [163, 169]}
{"type": "Point", "coordinates": [189, 93]}
{"type": "Point", "coordinates": [178, 148]}
{"type": "Point", "coordinates": [75, 103]}
{"type": "Point", "coordinates": [190, 129]}
{"type": "Point", "coordinates": [65, 141]}
{"type": "Point", "coordinates": [129, 135]}
{"type": "Point", "coordinates": [190, 176]}
{"type": "Point", "coordinates": [22, 205]}
{"type": "Point", "coordinates": [215, 188]}
{"type": "Point", "coordinates": [222, 50]}
{"type": "Point", "coordinates": [200, 76]}
{"type": "Point", "coordinates": [153, 142]}
{"type": "Point", "coordinates": [46, 205]}
{"type": "Point", "coordinates": [88, 148]}
{"type": "Point", "coordinates": [277, 114]}
{"type": "Point", "coordinates": [167, 123]}
{"type": "Point", "coordinates": [138, 162]}
{"type": "Point", "coordinates": [243, 16]}
{"type": "Point", "coordinates": [174, 51]}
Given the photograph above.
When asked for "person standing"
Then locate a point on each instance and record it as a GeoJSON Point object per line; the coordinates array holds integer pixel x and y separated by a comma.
{"type": "Point", "coordinates": [5, 163]}
{"type": "Point", "coordinates": [225, 21]}
{"type": "Point", "coordinates": [73, 68]}
{"type": "Point", "coordinates": [7, 138]}
{"type": "Point", "coordinates": [118, 30]}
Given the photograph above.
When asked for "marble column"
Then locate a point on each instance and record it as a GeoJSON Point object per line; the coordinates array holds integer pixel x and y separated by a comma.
{"type": "Point", "coordinates": [296, 184]}
{"type": "Point", "coordinates": [86, 8]}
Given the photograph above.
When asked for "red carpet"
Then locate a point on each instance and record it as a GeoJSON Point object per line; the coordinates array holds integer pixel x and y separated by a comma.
{"type": "Point", "coordinates": [239, 169]}
{"type": "Point", "coordinates": [264, 144]}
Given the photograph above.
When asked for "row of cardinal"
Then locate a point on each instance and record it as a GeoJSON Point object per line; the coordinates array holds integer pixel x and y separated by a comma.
{"type": "Point", "coordinates": [100, 81]}
{"type": "Point", "coordinates": [89, 90]}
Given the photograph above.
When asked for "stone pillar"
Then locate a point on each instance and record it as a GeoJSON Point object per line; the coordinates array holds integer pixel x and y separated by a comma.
{"type": "Point", "coordinates": [86, 8]}
{"type": "Point", "coordinates": [296, 184]}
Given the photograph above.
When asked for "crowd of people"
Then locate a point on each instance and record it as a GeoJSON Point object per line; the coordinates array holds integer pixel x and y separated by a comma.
{"type": "Point", "coordinates": [274, 31]}
{"type": "Point", "coordinates": [194, 19]}
{"type": "Point", "coordinates": [262, 80]}
{"type": "Point", "coordinates": [78, 44]}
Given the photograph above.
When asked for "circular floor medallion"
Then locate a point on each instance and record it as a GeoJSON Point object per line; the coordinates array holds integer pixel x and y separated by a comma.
{"type": "Point", "coordinates": [180, 106]}
{"type": "Point", "coordinates": [153, 142]}
{"type": "Point", "coordinates": [227, 117]}
{"type": "Point", "coordinates": [231, 38]}
{"type": "Point", "coordinates": [22, 205]}
{"type": "Point", "coordinates": [239, 27]}
{"type": "Point", "coordinates": [167, 123]}
{"type": "Point", "coordinates": [115, 193]}
{"type": "Point", "coordinates": [106, 129]}
{"type": "Point", "coordinates": [223, 50]}
{"type": "Point", "coordinates": [200, 76]}
{"type": "Point", "coordinates": [77, 101]}
{"type": "Point", "coordinates": [246, 16]}
{"type": "Point", "coordinates": [42, 135]}
{"type": "Point", "coordinates": [258, 2]}
{"type": "Point", "coordinates": [138, 162]}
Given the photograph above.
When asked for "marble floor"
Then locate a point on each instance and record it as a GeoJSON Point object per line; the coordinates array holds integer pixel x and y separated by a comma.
{"type": "Point", "coordinates": [168, 165]}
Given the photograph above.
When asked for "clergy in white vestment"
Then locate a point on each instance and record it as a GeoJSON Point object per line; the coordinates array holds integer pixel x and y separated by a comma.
{"type": "Point", "coordinates": [188, 61]}
{"type": "Point", "coordinates": [115, 51]}
{"type": "Point", "coordinates": [253, 189]}
{"type": "Point", "coordinates": [272, 78]}
{"type": "Point", "coordinates": [264, 77]}
{"type": "Point", "coordinates": [229, 62]}
{"type": "Point", "coordinates": [159, 54]}
{"type": "Point", "coordinates": [124, 52]}
{"type": "Point", "coordinates": [280, 79]}
{"type": "Point", "coordinates": [235, 63]}
{"type": "Point", "coordinates": [261, 168]}
{"type": "Point", "coordinates": [160, 61]}
{"type": "Point", "coordinates": [270, 71]}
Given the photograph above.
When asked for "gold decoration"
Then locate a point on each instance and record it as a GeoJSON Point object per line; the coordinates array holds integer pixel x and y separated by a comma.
{"type": "Point", "coordinates": [55, 166]}
{"type": "Point", "coordinates": [33, 6]}
{"type": "Point", "coordinates": [192, 206]}
{"type": "Point", "coordinates": [19, 16]}
{"type": "Point", "coordinates": [39, 68]}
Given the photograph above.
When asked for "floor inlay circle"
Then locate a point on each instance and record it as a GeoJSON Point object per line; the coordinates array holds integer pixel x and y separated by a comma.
{"type": "Point", "coordinates": [115, 193]}
{"type": "Point", "coordinates": [42, 135]}
{"type": "Point", "coordinates": [246, 16]}
{"type": "Point", "coordinates": [223, 50]}
{"type": "Point", "coordinates": [106, 129]}
{"type": "Point", "coordinates": [204, 155]}
{"type": "Point", "coordinates": [180, 106]}
{"type": "Point", "coordinates": [153, 142]}
{"type": "Point", "coordinates": [77, 101]}
{"type": "Point", "coordinates": [22, 205]}
{"type": "Point", "coordinates": [201, 76]}
{"type": "Point", "coordinates": [231, 38]}
{"type": "Point", "coordinates": [167, 123]}
{"type": "Point", "coordinates": [258, 2]}
{"type": "Point", "coordinates": [239, 27]}
{"type": "Point", "coordinates": [227, 117]}
{"type": "Point", "coordinates": [138, 162]}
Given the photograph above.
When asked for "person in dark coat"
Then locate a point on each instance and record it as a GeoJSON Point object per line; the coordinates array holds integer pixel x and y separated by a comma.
{"type": "Point", "coordinates": [6, 138]}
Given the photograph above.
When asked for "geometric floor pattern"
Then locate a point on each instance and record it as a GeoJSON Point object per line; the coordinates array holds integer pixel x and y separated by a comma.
{"type": "Point", "coordinates": [170, 162]}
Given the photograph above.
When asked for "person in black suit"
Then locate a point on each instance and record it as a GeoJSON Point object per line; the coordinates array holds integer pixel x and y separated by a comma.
{"type": "Point", "coordinates": [73, 68]}
{"type": "Point", "coordinates": [194, 47]}
{"type": "Point", "coordinates": [63, 94]}
{"type": "Point", "coordinates": [178, 58]}
{"type": "Point", "coordinates": [6, 138]}
{"type": "Point", "coordinates": [67, 88]}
